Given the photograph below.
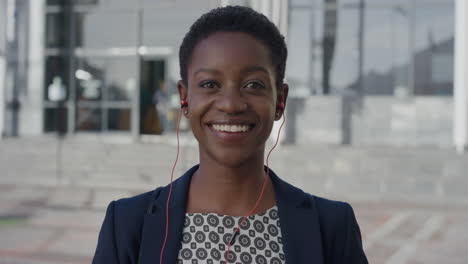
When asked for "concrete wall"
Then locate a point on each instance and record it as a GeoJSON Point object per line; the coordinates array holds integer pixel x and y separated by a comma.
{"type": "Point", "coordinates": [418, 121]}
{"type": "Point", "coordinates": [317, 120]}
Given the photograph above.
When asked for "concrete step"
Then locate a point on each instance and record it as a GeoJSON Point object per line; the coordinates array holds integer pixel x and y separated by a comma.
{"type": "Point", "coordinates": [364, 173]}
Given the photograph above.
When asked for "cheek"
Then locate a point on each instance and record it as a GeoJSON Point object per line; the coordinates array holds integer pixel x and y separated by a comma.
{"type": "Point", "coordinates": [268, 110]}
{"type": "Point", "coordinates": [197, 108]}
{"type": "Point", "coordinates": [268, 116]}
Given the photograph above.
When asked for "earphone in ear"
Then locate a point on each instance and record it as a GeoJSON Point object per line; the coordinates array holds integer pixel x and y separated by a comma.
{"type": "Point", "coordinates": [184, 104]}
{"type": "Point", "coordinates": [279, 109]}
{"type": "Point", "coordinates": [280, 106]}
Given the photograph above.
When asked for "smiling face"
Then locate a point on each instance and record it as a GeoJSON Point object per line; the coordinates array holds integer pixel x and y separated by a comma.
{"type": "Point", "coordinates": [232, 97]}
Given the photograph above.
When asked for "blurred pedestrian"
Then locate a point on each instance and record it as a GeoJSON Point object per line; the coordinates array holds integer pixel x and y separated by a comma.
{"type": "Point", "coordinates": [161, 100]}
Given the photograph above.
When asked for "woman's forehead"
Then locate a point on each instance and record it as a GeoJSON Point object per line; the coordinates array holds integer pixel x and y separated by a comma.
{"type": "Point", "coordinates": [230, 50]}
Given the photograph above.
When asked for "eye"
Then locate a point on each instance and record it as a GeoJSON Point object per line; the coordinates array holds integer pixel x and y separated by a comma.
{"type": "Point", "coordinates": [208, 84]}
{"type": "Point", "coordinates": [254, 85]}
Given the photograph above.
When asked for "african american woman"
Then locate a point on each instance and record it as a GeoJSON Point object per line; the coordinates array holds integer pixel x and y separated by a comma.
{"type": "Point", "coordinates": [231, 206]}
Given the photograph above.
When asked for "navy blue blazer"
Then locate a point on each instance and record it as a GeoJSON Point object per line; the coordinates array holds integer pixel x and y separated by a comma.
{"type": "Point", "coordinates": [314, 230]}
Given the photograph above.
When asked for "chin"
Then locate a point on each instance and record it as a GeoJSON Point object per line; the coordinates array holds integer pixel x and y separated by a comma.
{"type": "Point", "coordinates": [235, 158]}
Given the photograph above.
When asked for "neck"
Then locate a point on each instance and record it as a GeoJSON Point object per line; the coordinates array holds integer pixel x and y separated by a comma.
{"type": "Point", "coordinates": [222, 189]}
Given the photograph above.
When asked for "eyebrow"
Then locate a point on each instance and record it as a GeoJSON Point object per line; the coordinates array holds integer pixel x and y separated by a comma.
{"type": "Point", "coordinates": [246, 70]}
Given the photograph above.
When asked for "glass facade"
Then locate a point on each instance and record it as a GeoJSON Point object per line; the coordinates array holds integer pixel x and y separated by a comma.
{"type": "Point", "coordinates": [56, 75]}
{"type": "Point", "coordinates": [112, 64]}
{"type": "Point", "coordinates": [101, 29]}
{"type": "Point", "coordinates": [55, 33]}
{"type": "Point", "coordinates": [107, 63]}
{"type": "Point", "coordinates": [105, 88]}
{"type": "Point", "coordinates": [407, 47]}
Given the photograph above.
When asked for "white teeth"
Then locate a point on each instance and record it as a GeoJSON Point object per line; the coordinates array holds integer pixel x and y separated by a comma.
{"type": "Point", "coordinates": [231, 128]}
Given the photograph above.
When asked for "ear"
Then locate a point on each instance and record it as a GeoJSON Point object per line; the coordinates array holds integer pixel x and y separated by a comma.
{"type": "Point", "coordinates": [281, 97]}
{"type": "Point", "coordinates": [183, 92]}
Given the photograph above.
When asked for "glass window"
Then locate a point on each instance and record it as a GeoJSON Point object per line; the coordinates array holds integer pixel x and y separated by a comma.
{"type": "Point", "coordinates": [122, 3]}
{"type": "Point", "coordinates": [109, 79]}
{"type": "Point", "coordinates": [75, 2]}
{"type": "Point", "coordinates": [55, 118]}
{"type": "Point", "coordinates": [56, 78]}
{"type": "Point", "coordinates": [2, 28]}
{"type": "Point", "coordinates": [299, 42]}
{"type": "Point", "coordinates": [303, 2]}
{"type": "Point", "coordinates": [343, 2]}
{"type": "Point", "coordinates": [55, 2]}
{"type": "Point", "coordinates": [88, 119]}
{"type": "Point", "coordinates": [433, 49]}
{"type": "Point", "coordinates": [118, 119]}
{"type": "Point", "coordinates": [106, 3]}
{"type": "Point", "coordinates": [179, 3]}
{"type": "Point", "coordinates": [90, 78]}
{"type": "Point", "coordinates": [121, 73]}
{"type": "Point", "coordinates": [343, 58]}
{"type": "Point", "coordinates": [386, 50]}
{"type": "Point", "coordinates": [55, 31]}
{"type": "Point", "coordinates": [87, 2]}
{"type": "Point", "coordinates": [382, 3]}
{"type": "Point", "coordinates": [240, 2]}
{"type": "Point", "coordinates": [168, 24]}
{"type": "Point", "coordinates": [100, 30]}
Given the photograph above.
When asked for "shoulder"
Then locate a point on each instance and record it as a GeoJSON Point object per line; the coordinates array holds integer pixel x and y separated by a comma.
{"type": "Point", "coordinates": [339, 232]}
{"type": "Point", "coordinates": [331, 213]}
{"type": "Point", "coordinates": [128, 216]}
{"type": "Point", "coordinates": [132, 208]}
{"type": "Point", "coordinates": [130, 212]}
{"type": "Point", "coordinates": [339, 229]}
{"type": "Point", "coordinates": [121, 228]}
{"type": "Point", "coordinates": [333, 216]}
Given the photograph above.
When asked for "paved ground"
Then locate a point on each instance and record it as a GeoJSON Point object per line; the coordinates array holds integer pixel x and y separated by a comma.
{"type": "Point", "coordinates": [411, 203]}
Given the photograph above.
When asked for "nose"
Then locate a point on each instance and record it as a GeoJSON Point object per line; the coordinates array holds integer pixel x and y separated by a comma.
{"type": "Point", "coordinates": [231, 101]}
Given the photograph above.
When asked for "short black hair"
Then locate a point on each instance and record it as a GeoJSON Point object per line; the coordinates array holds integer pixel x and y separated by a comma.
{"type": "Point", "coordinates": [235, 19]}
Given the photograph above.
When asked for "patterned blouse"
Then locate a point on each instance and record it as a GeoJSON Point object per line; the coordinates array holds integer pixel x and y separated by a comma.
{"type": "Point", "coordinates": [206, 235]}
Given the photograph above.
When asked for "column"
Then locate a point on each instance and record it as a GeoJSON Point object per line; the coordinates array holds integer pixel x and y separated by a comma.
{"type": "Point", "coordinates": [460, 96]}
{"type": "Point", "coordinates": [2, 64]}
{"type": "Point", "coordinates": [31, 114]}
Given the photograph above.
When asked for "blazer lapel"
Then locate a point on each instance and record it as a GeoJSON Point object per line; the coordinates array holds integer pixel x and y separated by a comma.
{"type": "Point", "coordinates": [154, 225]}
{"type": "Point", "coordinates": [299, 224]}
{"type": "Point", "coordinates": [298, 219]}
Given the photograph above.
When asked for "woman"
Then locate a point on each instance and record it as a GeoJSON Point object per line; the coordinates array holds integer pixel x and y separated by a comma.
{"type": "Point", "coordinates": [230, 206]}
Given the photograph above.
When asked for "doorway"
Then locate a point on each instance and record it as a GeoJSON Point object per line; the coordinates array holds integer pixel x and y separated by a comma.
{"type": "Point", "coordinates": [154, 97]}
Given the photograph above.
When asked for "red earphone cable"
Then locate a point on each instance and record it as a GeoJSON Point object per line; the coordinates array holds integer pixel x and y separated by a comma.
{"type": "Point", "coordinates": [170, 190]}
{"type": "Point", "coordinates": [244, 218]}
{"type": "Point", "coordinates": [261, 193]}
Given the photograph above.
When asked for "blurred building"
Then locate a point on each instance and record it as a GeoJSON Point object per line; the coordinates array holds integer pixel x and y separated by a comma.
{"type": "Point", "coordinates": [361, 72]}
{"type": "Point", "coordinates": [378, 72]}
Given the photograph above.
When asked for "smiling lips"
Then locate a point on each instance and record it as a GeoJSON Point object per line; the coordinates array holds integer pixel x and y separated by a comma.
{"type": "Point", "coordinates": [231, 128]}
{"type": "Point", "coordinates": [231, 131]}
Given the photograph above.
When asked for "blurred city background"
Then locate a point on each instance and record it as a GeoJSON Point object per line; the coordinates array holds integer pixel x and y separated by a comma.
{"type": "Point", "coordinates": [377, 116]}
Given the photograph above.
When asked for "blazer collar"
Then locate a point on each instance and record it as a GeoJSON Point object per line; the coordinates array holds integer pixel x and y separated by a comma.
{"type": "Point", "coordinates": [299, 221]}
{"type": "Point", "coordinates": [298, 217]}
